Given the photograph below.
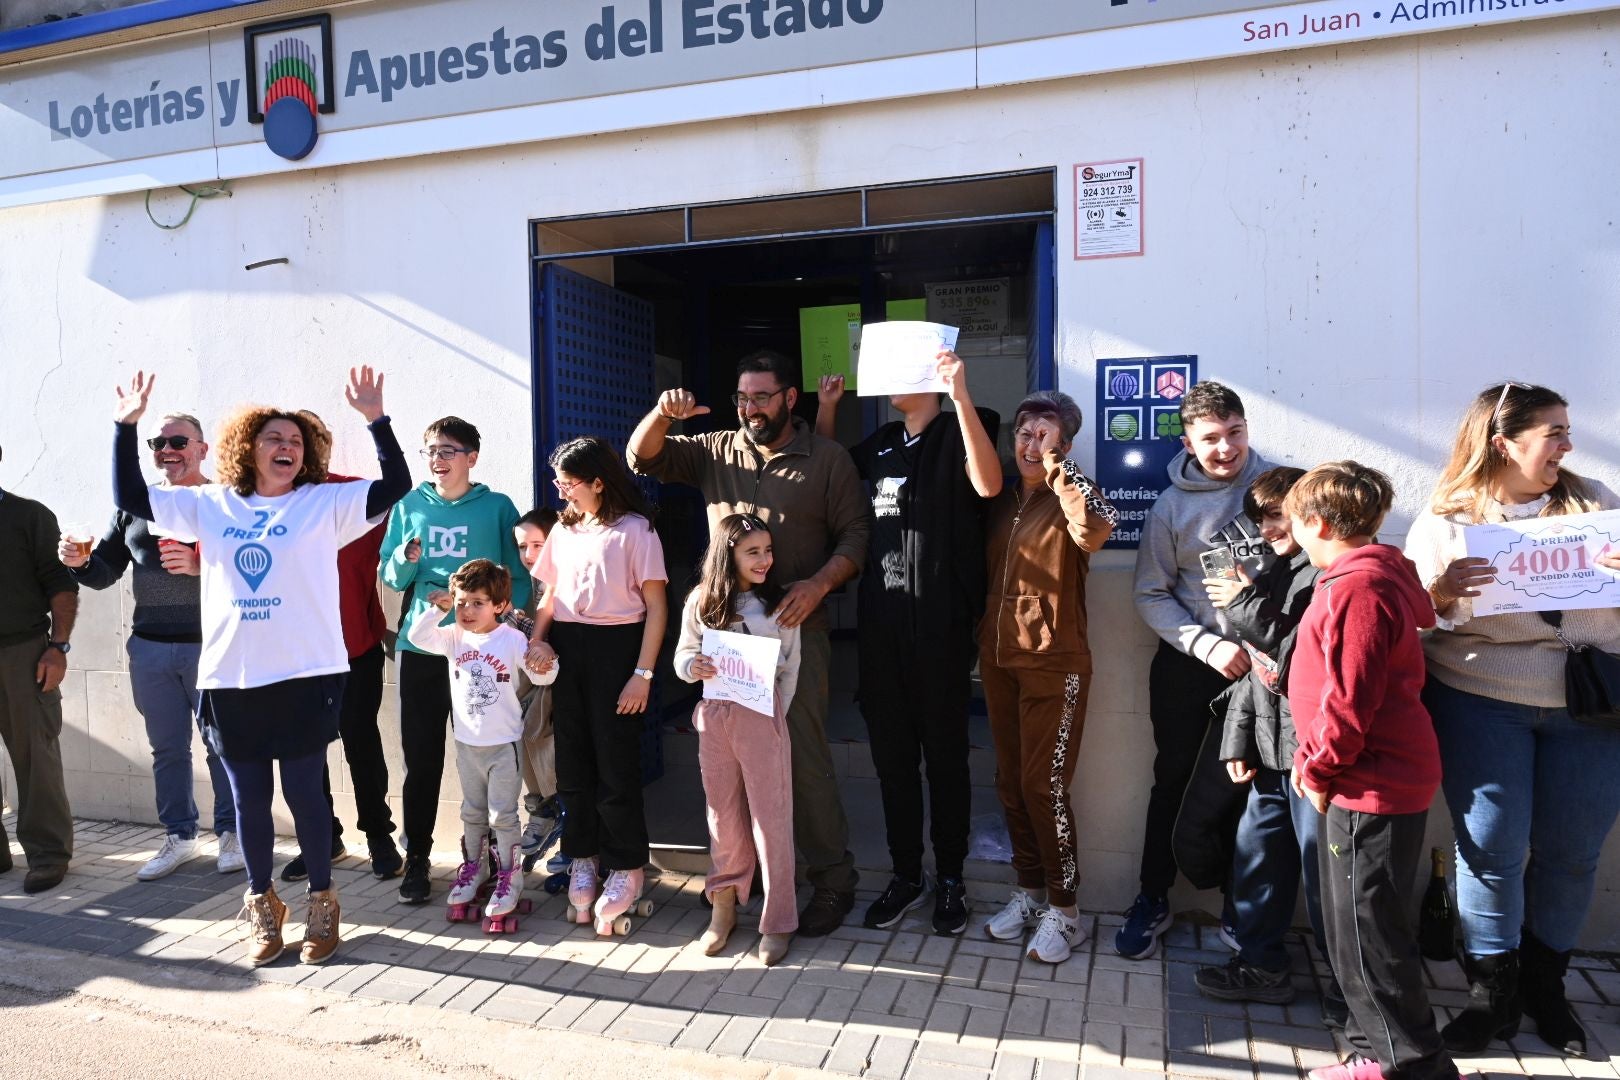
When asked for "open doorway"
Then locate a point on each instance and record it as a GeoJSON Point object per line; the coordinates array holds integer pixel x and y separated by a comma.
{"type": "Point", "coordinates": [630, 305]}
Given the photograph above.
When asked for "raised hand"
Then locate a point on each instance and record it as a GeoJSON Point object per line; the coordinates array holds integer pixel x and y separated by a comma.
{"type": "Point", "coordinates": [132, 402]}
{"type": "Point", "coordinates": [830, 391]}
{"type": "Point", "coordinates": [365, 392]}
{"type": "Point", "coordinates": [413, 550]}
{"type": "Point", "coordinates": [680, 405]}
{"type": "Point", "coordinates": [954, 372]}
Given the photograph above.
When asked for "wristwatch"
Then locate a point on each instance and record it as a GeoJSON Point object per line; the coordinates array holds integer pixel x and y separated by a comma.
{"type": "Point", "coordinates": [61, 646]}
{"type": "Point", "coordinates": [645, 673]}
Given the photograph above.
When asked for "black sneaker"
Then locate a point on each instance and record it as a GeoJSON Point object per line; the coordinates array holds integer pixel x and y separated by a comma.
{"type": "Point", "coordinates": [1239, 981]}
{"type": "Point", "coordinates": [1335, 1012]}
{"type": "Point", "coordinates": [416, 887]}
{"type": "Point", "coordinates": [386, 861]}
{"type": "Point", "coordinates": [825, 912]}
{"type": "Point", "coordinates": [296, 870]}
{"type": "Point", "coordinates": [900, 897]}
{"type": "Point", "coordinates": [950, 907]}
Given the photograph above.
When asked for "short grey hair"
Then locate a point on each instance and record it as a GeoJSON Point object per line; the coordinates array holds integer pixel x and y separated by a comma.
{"type": "Point", "coordinates": [185, 418]}
{"type": "Point", "coordinates": [1053, 403]}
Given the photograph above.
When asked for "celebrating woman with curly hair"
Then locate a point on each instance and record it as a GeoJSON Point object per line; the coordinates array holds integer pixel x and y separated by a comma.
{"type": "Point", "coordinates": [273, 661]}
{"type": "Point", "coordinates": [1521, 775]}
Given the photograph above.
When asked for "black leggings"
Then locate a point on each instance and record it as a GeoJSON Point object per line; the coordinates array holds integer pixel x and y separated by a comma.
{"type": "Point", "coordinates": [598, 751]}
{"type": "Point", "coordinates": [254, 786]}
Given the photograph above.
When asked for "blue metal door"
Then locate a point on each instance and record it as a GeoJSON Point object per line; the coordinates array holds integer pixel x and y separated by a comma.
{"type": "Point", "coordinates": [594, 370]}
{"type": "Point", "coordinates": [1042, 326]}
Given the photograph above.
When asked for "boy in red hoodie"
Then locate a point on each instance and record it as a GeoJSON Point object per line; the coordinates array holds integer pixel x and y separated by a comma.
{"type": "Point", "coordinates": [1368, 761]}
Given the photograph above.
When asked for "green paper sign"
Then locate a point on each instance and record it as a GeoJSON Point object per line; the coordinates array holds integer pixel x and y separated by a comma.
{"type": "Point", "coordinates": [830, 338]}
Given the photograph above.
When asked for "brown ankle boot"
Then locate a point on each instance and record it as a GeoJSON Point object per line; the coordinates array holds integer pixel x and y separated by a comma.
{"type": "Point", "coordinates": [265, 913]}
{"type": "Point", "coordinates": [721, 922]}
{"type": "Point", "coordinates": [320, 928]}
{"type": "Point", "coordinates": [772, 947]}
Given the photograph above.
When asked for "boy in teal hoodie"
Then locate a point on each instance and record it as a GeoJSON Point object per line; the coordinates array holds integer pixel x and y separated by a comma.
{"type": "Point", "coordinates": [439, 526]}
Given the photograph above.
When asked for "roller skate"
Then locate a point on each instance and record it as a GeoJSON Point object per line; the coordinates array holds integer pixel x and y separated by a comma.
{"type": "Point", "coordinates": [471, 885]}
{"type": "Point", "coordinates": [582, 884]}
{"type": "Point", "coordinates": [506, 903]}
{"type": "Point", "coordinates": [620, 897]}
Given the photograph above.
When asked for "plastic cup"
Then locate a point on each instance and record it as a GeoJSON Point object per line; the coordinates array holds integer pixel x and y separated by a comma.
{"type": "Point", "coordinates": [81, 536]}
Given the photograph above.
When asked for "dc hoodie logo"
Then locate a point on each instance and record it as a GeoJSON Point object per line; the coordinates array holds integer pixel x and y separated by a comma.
{"type": "Point", "coordinates": [447, 543]}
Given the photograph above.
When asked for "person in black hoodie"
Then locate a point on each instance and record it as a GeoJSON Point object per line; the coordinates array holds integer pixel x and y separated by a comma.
{"type": "Point", "coordinates": [1276, 836]}
{"type": "Point", "coordinates": [930, 476]}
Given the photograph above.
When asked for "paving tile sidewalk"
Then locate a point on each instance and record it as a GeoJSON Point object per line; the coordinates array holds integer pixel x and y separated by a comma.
{"type": "Point", "coordinates": [887, 1005]}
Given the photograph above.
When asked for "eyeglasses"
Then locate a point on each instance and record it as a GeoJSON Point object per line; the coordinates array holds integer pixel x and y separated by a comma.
{"type": "Point", "coordinates": [442, 453]}
{"type": "Point", "coordinates": [758, 401]}
{"type": "Point", "coordinates": [177, 442]}
{"type": "Point", "coordinates": [565, 486]}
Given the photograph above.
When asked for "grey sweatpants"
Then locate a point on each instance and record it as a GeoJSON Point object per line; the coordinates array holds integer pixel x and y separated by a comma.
{"type": "Point", "coordinates": [491, 783]}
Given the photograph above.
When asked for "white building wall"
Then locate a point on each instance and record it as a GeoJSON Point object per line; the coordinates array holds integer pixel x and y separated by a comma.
{"type": "Point", "coordinates": [1358, 239]}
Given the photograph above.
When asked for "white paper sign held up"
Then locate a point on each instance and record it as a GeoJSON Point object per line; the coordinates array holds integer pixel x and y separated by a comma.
{"type": "Point", "coordinates": [902, 358]}
{"type": "Point", "coordinates": [1547, 563]}
{"type": "Point", "coordinates": [747, 669]}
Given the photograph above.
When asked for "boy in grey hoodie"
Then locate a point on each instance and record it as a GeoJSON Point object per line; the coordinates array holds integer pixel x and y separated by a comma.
{"type": "Point", "coordinates": [1198, 656]}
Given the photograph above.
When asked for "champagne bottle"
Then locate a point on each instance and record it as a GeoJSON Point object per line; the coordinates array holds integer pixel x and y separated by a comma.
{"type": "Point", "coordinates": [1437, 918]}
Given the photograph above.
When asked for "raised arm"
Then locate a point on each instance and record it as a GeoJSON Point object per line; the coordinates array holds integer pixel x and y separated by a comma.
{"type": "Point", "coordinates": [645, 450]}
{"type": "Point", "coordinates": [983, 466]}
{"type": "Point", "coordinates": [365, 395]}
{"type": "Point", "coordinates": [828, 394]}
{"type": "Point", "coordinates": [1091, 517]}
{"type": "Point", "coordinates": [129, 486]}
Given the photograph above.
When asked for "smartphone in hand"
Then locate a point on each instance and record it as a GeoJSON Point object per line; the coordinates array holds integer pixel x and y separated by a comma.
{"type": "Point", "coordinates": [1219, 563]}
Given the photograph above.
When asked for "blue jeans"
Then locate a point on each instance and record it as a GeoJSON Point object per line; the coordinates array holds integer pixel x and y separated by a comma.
{"type": "Point", "coordinates": [1523, 779]}
{"type": "Point", "coordinates": [1276, 840]}
{"type": "Point", "coordinates": [163, 679]}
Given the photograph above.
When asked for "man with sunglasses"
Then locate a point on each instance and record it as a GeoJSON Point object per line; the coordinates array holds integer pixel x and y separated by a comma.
{"type": "Point", "coordinates": [806, 489]}
{"type": "Point", "coordinates": [164, 643]}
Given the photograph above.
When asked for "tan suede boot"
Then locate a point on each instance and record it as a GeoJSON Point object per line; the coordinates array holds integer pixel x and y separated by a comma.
{"type": "Point", "coordinates": [772, 947]}
{"type": "Point", "coordinates": [265, 913]}
{"type": "Point", "coordinates": [320, 928]}
{"type": "Point", "coordinates": [721, 922]}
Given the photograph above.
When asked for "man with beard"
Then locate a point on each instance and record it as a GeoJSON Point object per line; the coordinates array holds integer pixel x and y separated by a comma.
{"type": "Point", "coordinates": [806, 489]}
{"type": "Point", "coordinates": [164, 644]}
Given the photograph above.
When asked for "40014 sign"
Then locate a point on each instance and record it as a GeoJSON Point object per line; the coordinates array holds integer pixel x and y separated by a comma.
{"type": "Point", "coordinates": [1548, 564]}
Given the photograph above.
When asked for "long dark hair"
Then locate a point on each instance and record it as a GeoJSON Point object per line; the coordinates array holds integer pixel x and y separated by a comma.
{"type": "Point", "coordinates": [591, 458]}
{"type": "Point", "coordinates": [717, 589]}
{"type": "Point", "coordinates": [1509, 410]}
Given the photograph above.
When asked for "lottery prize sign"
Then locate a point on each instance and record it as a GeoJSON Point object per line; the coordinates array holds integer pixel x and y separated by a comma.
{"type": "Point", "coordinates": [1547, 563]}
{"type": "Point", "coordinates": [746, 665]}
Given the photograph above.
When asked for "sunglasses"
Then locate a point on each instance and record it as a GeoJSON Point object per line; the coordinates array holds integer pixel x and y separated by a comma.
{"type": "Point", "coordinates": [175, 442]}
{"type": "Point", "coordinates": [1496, 414]}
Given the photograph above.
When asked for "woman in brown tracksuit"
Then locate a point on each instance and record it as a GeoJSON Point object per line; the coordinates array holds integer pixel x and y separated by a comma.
{"type": "Point", "coordinates": [1036, 665]}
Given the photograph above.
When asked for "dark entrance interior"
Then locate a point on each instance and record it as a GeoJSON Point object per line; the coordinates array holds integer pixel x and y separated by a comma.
{"type": "Point", "coordinates": [700, 305]}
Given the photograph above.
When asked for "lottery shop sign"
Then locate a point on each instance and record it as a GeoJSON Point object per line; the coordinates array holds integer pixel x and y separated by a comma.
{"type": "Point", "coordinates": [1138, 432]}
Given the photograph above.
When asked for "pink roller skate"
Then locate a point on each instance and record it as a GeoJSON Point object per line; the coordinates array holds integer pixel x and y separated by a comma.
{"type": "Point", "coordinates": [467, 891]}
{"type": "Point", "coordinates": [506, 903]}
{"type": "Point", "coordinates": [620, 897]}
{"type": "Point", "coordinates": [581, 889]}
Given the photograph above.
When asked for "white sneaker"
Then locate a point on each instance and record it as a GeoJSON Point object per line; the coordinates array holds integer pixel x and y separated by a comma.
{"type": "Point", "coordinates": [1011, 922]}
{"type": "Point", "coordinates": [1056, 935]}
{"type": "Point", "coordinates": [168, 859]}
{"type": "Point", "coordinates": [230, 854]}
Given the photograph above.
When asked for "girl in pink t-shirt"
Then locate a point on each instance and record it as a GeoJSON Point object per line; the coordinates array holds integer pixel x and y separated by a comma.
{"type": "Point", "coordinates": [603, 616]}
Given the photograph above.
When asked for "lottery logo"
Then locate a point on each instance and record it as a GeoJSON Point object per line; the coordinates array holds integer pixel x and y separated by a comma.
{"type": "Point", "coordinates": [253, 563]}
{"type": "Point", "coordinates": [1124, 385]}
{"type": "Point", "coordinates": [290, 81]}
{"type": "Point", "coordinates": [1170, 385]}
{"type": "Point", "coordinates": [1124, 426]}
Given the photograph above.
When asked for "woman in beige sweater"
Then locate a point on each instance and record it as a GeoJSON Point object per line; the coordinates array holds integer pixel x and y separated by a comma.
{"type": "Point", "coordinates": [1521, 775]}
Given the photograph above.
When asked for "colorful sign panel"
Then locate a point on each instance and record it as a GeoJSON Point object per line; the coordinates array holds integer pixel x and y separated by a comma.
{"type": "Point", "coordinates": [1138, 432]}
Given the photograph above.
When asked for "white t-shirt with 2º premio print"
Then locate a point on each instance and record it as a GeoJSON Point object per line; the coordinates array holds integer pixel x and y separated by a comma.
{"type": "Point", "coordinates": [269, 577]}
